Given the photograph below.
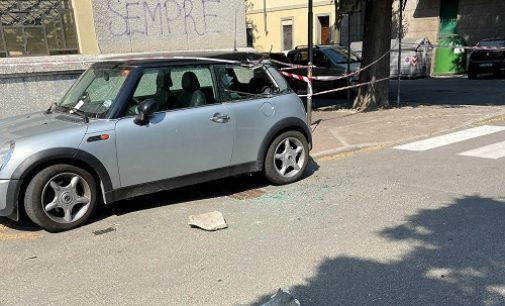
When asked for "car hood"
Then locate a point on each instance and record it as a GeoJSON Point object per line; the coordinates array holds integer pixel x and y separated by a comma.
{"type": "Point", "coordinates": [36, 124]}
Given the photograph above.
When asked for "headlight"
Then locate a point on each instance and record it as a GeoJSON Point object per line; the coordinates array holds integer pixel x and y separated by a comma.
{"type": "Point", "coordinates": [6, 153]}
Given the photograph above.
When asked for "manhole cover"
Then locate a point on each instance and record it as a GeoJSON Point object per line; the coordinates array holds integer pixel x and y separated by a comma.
{"type": "Point", "coordinates": [248, 194]}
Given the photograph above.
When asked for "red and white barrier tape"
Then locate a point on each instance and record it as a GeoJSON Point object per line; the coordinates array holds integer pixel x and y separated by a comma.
{"type": "Point", "coordinates": [475, 48]}
{"type": "Point", "coordinates": [296, 76]}
{"type": "Point", "coordinates": [336, 78]}
{"type": "Point", "coordinates": [291, 66]}
{"type": "Point", "coordinates": [314, 78]}
{"type": "Point", "coordinates": [346, 87]}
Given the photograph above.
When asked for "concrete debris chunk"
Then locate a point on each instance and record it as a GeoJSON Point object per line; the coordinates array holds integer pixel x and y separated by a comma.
{"type": "Point", "coordinates": [104, 231]}
{"type": "Point", "coordinates": [282, 298]}
{"type": "Point", "coordinates": [212, 221]}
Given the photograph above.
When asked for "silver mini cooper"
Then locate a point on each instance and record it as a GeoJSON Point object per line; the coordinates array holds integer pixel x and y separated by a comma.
{"type": "Point", "coordinates": [138, 126]}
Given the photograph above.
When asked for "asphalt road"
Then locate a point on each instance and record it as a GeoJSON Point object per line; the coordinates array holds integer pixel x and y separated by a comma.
{"type": "Point", "coordinates": [388, 227]}
{"type": "Point", "coordinates": [452, 91]}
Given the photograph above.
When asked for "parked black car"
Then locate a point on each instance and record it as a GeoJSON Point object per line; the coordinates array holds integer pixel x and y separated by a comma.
{"type": "Point", "coordinates": [487, 61]}
{"type": "Point", "coordinates": [330, 60]}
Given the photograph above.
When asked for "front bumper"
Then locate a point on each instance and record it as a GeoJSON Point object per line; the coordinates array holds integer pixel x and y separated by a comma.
{"type": "Point", "coordinates": [8, 199]}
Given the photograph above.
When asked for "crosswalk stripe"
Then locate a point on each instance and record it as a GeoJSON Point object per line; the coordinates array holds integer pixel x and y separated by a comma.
{"type": "Point", "coordinates": [494, 151]}
{"type": "Point", "coordinates": [443, 140]}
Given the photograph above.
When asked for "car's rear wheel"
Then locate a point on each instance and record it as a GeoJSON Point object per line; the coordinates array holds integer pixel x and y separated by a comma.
{"type": "Point", "coordinates": [61, 197]}
{"type": "Point", "coordinates": [286, 158]}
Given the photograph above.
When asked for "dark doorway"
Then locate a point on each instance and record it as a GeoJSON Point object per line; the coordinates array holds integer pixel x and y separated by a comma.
{"type": "Point", "coordinates": [324, 30]}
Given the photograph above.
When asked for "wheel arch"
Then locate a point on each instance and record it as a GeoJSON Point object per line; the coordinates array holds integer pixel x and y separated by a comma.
{"type": "Point", "coordinates": [287, 124]}
{"type": "Point", "coordinates": [32, 165]}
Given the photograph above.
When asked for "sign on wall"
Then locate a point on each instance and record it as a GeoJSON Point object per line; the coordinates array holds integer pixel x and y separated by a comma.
{"type": "Point", "coordinates": [169, 25]}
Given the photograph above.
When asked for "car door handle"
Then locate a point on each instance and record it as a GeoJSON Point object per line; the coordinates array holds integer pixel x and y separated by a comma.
{"type": "Point", "coordinates": [220, 118]}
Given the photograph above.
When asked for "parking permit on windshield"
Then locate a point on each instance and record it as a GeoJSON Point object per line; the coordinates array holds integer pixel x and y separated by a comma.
{"type": "Point", "coordinates": [79, 104]}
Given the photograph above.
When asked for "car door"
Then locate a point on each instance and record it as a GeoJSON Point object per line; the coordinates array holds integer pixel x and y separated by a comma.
{"type": "Point", "coordinates": [178, 141]}
{"type": "Point", "coordinates": [253, 111]}
{"type": "Point", "coordinates": [323, 68]}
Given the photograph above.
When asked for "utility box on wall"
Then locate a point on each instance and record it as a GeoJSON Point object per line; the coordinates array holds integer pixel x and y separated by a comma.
{"type": "Point", "coordinates": [169, 25]}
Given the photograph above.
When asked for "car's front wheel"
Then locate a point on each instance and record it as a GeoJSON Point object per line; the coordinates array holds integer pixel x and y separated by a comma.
{"type": "Point", "coordinates": [286, 158]}
{"type": "Point", "coordinates": [61, 197]}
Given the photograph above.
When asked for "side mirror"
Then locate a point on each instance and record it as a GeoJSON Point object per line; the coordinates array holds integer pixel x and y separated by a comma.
{"type": "Point", "coordinates": [146, 109]}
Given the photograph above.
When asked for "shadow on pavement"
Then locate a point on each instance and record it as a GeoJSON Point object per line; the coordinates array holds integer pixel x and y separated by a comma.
{"type": "Point", "coordinates": [453, 91]}
{"type": "Point", "coordinates": [24, 225]}
{"type": "Point", "coordinates": [213, 189]}
{"type": "Point", "coordinates": [458, 258]}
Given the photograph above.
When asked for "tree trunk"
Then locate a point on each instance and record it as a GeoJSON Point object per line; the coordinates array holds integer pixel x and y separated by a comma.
{"type": "Point", "coordinates": [376, 42]}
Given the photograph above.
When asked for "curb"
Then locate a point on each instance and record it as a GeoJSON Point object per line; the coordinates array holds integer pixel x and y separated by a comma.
{"type": "Point", "coordinates": [363, 147]}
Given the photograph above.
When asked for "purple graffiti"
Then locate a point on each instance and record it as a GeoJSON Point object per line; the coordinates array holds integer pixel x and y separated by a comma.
{"type": "Point", "coordinates": [161, 17]}
{"type": "Point", "coordinates": [172, 6]}
{"type": "Point", "coordinates": [152, 17]}
{"type": "Point", "coordinates": [207, 16]}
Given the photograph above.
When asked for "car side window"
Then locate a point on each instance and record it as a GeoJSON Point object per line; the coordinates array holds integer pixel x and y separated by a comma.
{"type": "Point", "coordinates": [147, 85]}
{"type": "Point", "coordinates": [239, 83]}
{"type": "Point", "coordinates": [175, 87]}
{"type": "Point", "coordinates": [301, 58]}
{"type": "Point", "coordinates": [193, 86]}
{"type": "Point", "coordinates": [155, 83]}
{"type": "Point", "coordinates": [320, 59]}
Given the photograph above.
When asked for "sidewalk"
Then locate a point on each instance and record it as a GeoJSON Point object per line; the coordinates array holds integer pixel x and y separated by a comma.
{"type": "Point", "coordinates": [340, 131]}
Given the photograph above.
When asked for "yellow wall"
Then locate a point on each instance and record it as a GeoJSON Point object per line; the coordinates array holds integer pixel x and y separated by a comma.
{"type": "Point", "coordinates": [269, 36]}
{"type": "Point", "coordinates": [83, 12]}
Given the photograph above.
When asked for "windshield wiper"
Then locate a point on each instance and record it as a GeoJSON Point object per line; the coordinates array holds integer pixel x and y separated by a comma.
{"type": "Point", "coordinates": [80, 113]}
{"type": "Point", "coordinates": [50, 109]}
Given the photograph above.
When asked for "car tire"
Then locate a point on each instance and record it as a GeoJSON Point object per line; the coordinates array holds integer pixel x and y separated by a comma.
{"type": "Point", "coordinates": [61, 197]}
{"type": "Point", "coordinates": [287, 158]}
{"type": "Point", "coordinates": [472, 75]}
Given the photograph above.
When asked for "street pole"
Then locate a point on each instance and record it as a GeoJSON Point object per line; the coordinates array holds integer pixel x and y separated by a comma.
{"type": "Point", "coordinates": [311, 59]}
{"type": "Point", "coordinates": [400, 32]}
{"type": "Point", "coordinates": [349, 57]}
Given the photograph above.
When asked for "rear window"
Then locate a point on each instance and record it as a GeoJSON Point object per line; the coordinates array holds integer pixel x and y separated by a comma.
{"type": "Point", "coordinates": [300, 58]}
{"type": "Point", "coordinates": [245, 83]}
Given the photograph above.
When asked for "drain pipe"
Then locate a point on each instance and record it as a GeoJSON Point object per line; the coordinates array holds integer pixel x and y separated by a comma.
{"type": "Point", "coordinates": [265, 16]}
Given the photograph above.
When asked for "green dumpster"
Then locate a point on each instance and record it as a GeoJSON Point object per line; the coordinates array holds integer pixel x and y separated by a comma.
{"type": "Point", "coordinates": [450, 57]}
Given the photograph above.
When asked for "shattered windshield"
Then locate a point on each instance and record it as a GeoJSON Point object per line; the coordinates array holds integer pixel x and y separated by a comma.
{"type": "Point", "coordinates": [95, 92]}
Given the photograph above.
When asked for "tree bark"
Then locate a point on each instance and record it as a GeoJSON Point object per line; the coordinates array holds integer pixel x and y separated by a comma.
{"type": "Point", "coordinates": [376, 42]}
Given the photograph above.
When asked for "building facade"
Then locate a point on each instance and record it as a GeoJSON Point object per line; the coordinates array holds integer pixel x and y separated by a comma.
{"type": "Point", "coordinates": [56, 27]}
{"type": "Point", "coordinates": [41, 28]}
{"type": "Point", "coordinates": [281, 25]}
{"type": "Point", "coordinates": [46, 44]}
{"type": "Point", "coordinates": [471, 20]}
